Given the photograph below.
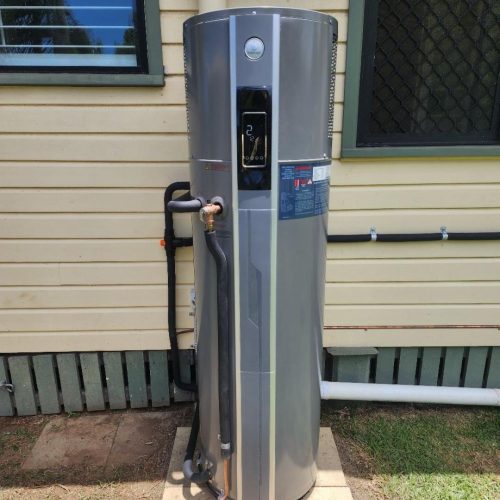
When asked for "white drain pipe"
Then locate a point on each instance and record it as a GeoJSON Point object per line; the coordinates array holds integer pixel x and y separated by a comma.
{"type": "Point", "coordinates": [350, 391]}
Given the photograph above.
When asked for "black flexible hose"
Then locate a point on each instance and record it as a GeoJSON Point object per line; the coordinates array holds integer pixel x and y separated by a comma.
{"type": "Point", "coordinates": [170, 247]}
{"type": "Point", "coordinates": [223, 341]}
{"type": "Point", "coordinates": [193, 435]}
{"type": "Point", "coordinates": [184, 206]}
{"type": "Point", "coordinates": [198, 477]}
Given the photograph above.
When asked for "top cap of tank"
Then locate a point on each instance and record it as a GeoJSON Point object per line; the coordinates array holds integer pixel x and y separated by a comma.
{"type": "Point", "coordinates": [221, 15]}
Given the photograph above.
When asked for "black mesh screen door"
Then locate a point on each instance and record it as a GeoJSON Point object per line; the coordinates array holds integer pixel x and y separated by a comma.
{"type": "Point", "coordinates": [430, 73]}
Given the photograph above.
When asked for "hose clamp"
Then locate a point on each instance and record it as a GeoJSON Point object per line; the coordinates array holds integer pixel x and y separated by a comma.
{"type": "Point", "coordinates": [225, 446]}
{"type": "Point", "coordinates": [373, 234]}
{"type": "Point", "coordinates": [444, 233]}
{"type": "Point", "coordinates": [5, 385]}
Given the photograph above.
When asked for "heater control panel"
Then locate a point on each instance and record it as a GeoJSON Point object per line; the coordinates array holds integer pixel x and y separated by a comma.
{"type": "Point", "coordinates": [254, 138]}
{"type": "Point", "coordinates": [254, 128]}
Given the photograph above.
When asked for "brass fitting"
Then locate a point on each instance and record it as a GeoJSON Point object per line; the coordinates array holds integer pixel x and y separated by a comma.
{"type": "Point", "coordinates": [208, 213]}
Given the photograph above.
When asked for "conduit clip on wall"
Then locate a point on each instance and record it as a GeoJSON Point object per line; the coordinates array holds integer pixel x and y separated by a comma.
{"type": "Point", "coordinates": [5, 385]}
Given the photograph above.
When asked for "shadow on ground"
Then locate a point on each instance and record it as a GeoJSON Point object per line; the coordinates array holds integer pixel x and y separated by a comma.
{"type": "Point", "coordinates": [122, 454]}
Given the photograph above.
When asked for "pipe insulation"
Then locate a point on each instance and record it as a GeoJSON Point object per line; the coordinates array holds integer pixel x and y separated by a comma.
{"type": "Point", "coordinates": [171, 243]}
{"type": "Point", "coordinates": [191, 472]}
{"type": "Point", "coordinates": [394, 393]}
{"type": "Point", "coordinates": [413, 237]}
{"type": "Point", "coordinates": [224, 350]}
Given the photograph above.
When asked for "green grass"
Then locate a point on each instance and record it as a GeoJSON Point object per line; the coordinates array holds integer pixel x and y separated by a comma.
{"type": "Point", "coordinates": [427, 454]}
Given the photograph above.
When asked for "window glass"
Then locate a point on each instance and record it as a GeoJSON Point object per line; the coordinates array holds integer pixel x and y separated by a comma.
{"type": "Point", "coordinates": [430, 73]}
{"type": "Point", "coordinates": [77, 34]}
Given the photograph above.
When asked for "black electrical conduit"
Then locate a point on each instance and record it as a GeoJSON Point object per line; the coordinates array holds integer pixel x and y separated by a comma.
{"type": "Point", "coordinates": [409, 237]}
{"type": "Point", "coordinates": [171, 244]}
{"type": "Point", "coordinates": [198, 477]}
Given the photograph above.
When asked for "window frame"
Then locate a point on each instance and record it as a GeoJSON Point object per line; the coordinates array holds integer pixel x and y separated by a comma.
{"type": "Point", "coordinates": [154, 77]}
{"type": "Point", "coordinates": [350, 149]}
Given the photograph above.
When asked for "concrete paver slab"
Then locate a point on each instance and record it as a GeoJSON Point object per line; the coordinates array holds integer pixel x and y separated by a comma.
{"type": "Point", "coordinates": [329, 466]}
{"type": "Point", "coordinates": [65, 442]}
{"type": "Point", "coordinates": [138, 435]}
{"type": "Point", "coordinates": [329, 493]}
{"type": "Point", "coordinates": [330, 483]}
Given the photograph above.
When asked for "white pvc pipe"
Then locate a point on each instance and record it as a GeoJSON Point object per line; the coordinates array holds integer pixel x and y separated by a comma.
{"type": "Point", "coordinates": [350, 391]}
{"type": "Point", "coordinates": [208, 5]}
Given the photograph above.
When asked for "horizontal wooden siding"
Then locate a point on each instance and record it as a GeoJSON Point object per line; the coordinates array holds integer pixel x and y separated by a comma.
{"type": "Point", "coordinates": [82, 172]}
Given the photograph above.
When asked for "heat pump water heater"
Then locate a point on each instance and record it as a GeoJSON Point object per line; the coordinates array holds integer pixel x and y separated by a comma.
{"type": "Point", "coordinates": [259, 87]}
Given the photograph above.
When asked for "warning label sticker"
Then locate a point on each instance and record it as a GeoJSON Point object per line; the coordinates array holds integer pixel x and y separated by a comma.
{"type": "Point", "coordinates": [304, 190]}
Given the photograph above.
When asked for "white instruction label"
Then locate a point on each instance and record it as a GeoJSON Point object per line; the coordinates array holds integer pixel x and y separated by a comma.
{"type": "Point", "coordinates": [321, 173]}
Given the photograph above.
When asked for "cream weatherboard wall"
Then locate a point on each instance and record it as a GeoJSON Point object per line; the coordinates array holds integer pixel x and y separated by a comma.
{"type": "Point", "coordinates": [82, 173]}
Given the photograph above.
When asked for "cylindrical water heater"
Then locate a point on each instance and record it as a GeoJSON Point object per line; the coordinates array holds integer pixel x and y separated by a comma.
{"type": "Point", "coordinates": [259, 87]}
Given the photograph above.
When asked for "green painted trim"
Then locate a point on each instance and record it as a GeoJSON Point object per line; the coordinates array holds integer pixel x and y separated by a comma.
{"type": "Point", "coordinates": [352, 368]}
{"type": "Point", "coordinates": [92, 381]}
{"type": "Point", "coordinates": [349, 148]}
{"type": "Point", "coordinates": [136, 377]}
{"type": "Point", "coordinates": [476, 364]}
{"type": "Point", "coordinates": [6, 406]}
{"type": "Point", "coordinates": [46, 382]}
{"type": "Point", "coordinates": [158, 376]}
{"type": "Point", "coordinates": [81, 80]}
{"type": "Point", "coordinates": [352, 351]}
{"type": "Point", "coordinates": [24, 387]}
{"type": "Point", "coordinates": [115, 383]}
{"type": "Point", "coordinates": [353, 74]}
{"type": "Point", "coordinates": [70, 382]}
{"type": "Point", "coordinates": [431, 359]}
{"type": "Point", "coordinates": [407, 370]}
{"type": "Point", "coordinates": [153, 39]}
{"type": "Point", "coordinates": [420, 151]}
{"type": "Point", "coordinates": [384, 373]}
{"type": "Point", "coordinates": [493, 380]}
{"type": "Point", "coordinates": [452, 369]}
{"type": "Point", "coordinates": [155, 77]}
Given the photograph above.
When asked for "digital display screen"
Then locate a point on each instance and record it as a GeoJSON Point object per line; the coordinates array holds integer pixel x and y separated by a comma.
{"type": "Point", "coordinates": [254, 139]}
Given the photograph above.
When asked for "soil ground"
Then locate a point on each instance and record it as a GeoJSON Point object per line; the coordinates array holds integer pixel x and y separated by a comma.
{"type": "Point", "coordinates": [387, 451]}
{"type": "Point", "coordinates": [143, 477]}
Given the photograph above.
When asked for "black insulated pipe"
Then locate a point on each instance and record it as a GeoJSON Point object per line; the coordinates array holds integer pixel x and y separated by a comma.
{"type": "Point", "coordinates": [485, 236]}
{"type": "Point", "coordinates": [348, 238]}
{"type": "Point", "coordinates": [198, 477]}
{"type": "Point", "coordinates": [223, 341]}
{"type": "Point", "coordinates": [400, 238]}
{"type": "Point", "coordinates": [184, 205]}
{"type": "Point", "coordinates": [412, 237]}
{"type": "Point", "coordinates": [171, 243]}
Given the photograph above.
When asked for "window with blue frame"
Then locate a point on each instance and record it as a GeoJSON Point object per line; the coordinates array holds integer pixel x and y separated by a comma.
{"type": "Point", "coordinates": [75, 36]}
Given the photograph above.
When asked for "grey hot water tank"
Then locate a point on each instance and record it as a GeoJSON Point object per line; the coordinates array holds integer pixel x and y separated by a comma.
{"type": "Point", "coordinates": [259, 86]}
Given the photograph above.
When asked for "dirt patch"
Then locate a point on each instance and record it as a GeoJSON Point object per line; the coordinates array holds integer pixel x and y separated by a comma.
{"type": "Point", "coordinates": [142, 479]}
